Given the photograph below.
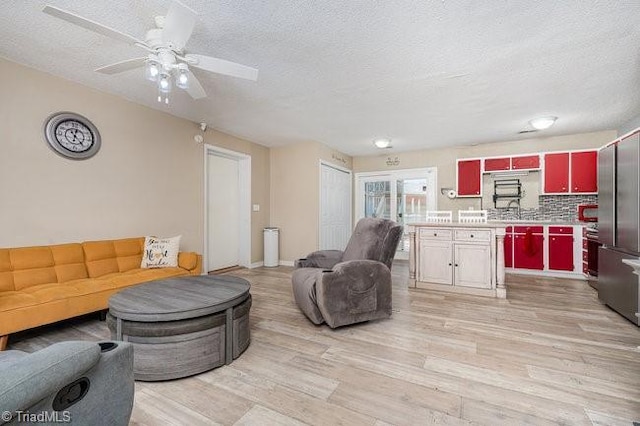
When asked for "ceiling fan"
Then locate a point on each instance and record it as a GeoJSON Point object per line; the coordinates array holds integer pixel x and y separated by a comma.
{"type": "Point", "coordinates": [166, 59]}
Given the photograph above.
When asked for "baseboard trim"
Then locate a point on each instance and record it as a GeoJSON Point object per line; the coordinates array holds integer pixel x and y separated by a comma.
{"type": "Point", "coordinates": [256, 265]}
{"type": "Point", "coordinates": [285, 263]}
{"type": "Point", "coordinates": [549, 274]}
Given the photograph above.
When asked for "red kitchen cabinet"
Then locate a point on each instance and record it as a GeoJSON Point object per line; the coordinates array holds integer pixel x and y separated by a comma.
{"type": "Point", "coordinates": [584, 171]}
{"type": "Point", "coordinates": [525, 162]}
{"type": "Point", "coordinates": [469, 178]}
{"type": "Point", "coordinates": [561, 252]}
{"type": "Point", "coordinates": [528, 251]}
{"type": "Point", "coordinates": [495, 164]}
{"type": "Point", "coordinates": [556, 172]}
{"type": "Point", "coordinates": [508, 250]}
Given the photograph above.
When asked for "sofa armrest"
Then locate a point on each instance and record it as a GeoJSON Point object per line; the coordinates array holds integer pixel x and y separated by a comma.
{"type": "Point", "coordinates": [32, 377]}
{"type": "Point", "coordinates": [325, 259]}
{"type": "Point", "coordinates": [353, 290]}
{"type": "Point", "coordinates": [190, 261]}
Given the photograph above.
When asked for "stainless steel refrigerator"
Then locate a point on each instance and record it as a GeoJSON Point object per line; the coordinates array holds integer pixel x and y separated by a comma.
{"type": "Point", "coordinates": [619, 225]}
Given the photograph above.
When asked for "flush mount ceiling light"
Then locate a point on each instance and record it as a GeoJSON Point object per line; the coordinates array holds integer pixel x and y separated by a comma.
{"type": "Point", "coordinates": [542, 123]}
{"type": "Point", "coordinates": [382, 143]}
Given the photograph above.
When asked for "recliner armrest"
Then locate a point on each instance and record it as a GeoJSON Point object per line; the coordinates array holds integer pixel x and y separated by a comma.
{"type": "Point", "coordinates": [34, 376]}
{"type": "Point", "coordinates": [325, 259]}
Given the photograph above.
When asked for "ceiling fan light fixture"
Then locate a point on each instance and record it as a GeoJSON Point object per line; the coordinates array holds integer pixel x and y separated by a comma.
{"type": "Point", "coordinates": [164, 83]}
{"type": "Point", "coordinates": [182, 80]}
{"type": "Point", "coordinates": [151, 71]}
{"type": "Point", "coordinates": [542, 123]}
{"type": "Point", "coordinates": [382, 143]}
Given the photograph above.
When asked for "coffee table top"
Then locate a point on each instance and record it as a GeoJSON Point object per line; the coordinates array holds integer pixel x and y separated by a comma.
{"type": "Point", "coordinates": [178, 298]}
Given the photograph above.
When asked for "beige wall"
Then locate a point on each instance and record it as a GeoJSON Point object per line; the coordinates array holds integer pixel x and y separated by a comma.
{"type": "Point", "coordinates": [146, 179]}
{"type": "Point", "coordinates": [445, 159]}
{"type": "Point", "coordinates": [295, 194]}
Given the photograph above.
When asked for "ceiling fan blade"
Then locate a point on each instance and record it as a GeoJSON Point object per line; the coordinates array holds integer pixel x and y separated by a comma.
{"type": "Point", "coordinates": [195, 88]}
{"type": "Point", "coordinates": [91, 25]}
{"type": "Point", "coordinates": [178, 25]}
{"type": "Point", "coordinates": [122, 66]}
{"type": "Point", "coordinates": [220, 66]}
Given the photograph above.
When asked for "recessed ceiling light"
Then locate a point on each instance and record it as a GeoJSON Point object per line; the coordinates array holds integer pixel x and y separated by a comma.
{"type": "Point", "coordinates": [382, 143]}
{"type": "Point", "coordinates": [542, 123]}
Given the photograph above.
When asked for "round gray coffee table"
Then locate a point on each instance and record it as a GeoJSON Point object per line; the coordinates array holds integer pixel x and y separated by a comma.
{"type": "Point", "coordinates": [182, 326]}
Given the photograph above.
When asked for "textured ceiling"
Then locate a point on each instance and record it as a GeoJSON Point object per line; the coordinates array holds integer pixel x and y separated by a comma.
{"type": "Point", "coordinates": [425, 73]}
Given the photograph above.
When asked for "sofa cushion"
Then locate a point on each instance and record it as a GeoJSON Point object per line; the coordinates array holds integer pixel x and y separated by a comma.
{"type": "Point", "coordinates": [32, 266]}
{"type": "Point", "coordinates": [69, 262]}
{"type": "Point", "coordinates": [91, 285]}
{"type": "Point", "coordinates": [10, 300]}
{"type": "Point", "coordinates": [53, 291]}
{"type": "Point", "coordinates": [6, 276]}
{"type": "Point", "coordinates": [100, 258]}
{"type": "Point", "coordinates": [142, 275]}
{"type": "Point", "coordinates": [129, 253]}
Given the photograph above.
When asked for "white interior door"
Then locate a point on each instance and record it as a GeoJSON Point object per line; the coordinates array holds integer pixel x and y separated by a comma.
{"type": "Point", "coordinates": [223, 212]}
{"type": "Point", "coordinates": [335, 207]}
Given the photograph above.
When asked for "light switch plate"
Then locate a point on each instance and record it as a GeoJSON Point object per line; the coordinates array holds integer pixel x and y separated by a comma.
{"type": "Point", "coordinates": [256, 207]}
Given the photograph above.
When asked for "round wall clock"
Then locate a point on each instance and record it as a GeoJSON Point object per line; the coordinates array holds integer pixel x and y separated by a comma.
{"type": "Point", "coordinates": [72, 135]}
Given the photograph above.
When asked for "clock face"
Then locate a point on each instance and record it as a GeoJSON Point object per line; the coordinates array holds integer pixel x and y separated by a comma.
{"type": "Point", "coordinates": [72, 136]}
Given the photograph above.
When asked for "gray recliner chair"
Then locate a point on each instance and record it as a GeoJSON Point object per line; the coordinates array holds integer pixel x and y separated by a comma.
{"type": "Point", "coordinates": [342, 288]}
{"type": "Point", "coordinates": [83, 383]}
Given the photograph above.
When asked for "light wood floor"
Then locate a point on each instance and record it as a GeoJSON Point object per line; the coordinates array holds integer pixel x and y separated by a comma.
{"type": "Point", "coordinates": [549, 354]}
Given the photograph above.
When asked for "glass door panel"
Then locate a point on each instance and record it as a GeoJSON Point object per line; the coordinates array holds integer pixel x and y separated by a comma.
{"type": "Point", "coordinates": [412, 205]}
{"type": "Point", "coordinates": [377, 199]}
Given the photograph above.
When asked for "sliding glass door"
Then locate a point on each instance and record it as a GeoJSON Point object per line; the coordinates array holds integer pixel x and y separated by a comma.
{"type": "Point", "coordinates": [403, 196]}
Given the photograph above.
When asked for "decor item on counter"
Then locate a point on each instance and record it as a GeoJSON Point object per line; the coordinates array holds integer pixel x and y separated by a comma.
{"type": "Point", "coordinates": [160, 252]}
{"type": "Point", "coordinates": [166, 60]}
{"type": "Point", "coordinates": [439, 216]}
{"type": "Point", "coordinates": [382, 143]}
{"type": "Point", "coordinates": [449, 192]}
{"type": "Point", "coordinates": [472, 216]}
{"type": "Point", "coordinates": [72, 136]}
{"type": "Point", "coordinates": [393, 162]}
{"type": "Point", "coordinates": [542, 123]}
{"type": "Point", "coordinates": [350, 286]}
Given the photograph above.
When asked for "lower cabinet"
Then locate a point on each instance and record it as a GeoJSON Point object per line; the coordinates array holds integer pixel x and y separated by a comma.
{"type": "Point", "coordinates": [472, 265]}
{"type": "Point", "coordinates": [528, 251]}
{"type": "Point", "coordinates": [461, 258]}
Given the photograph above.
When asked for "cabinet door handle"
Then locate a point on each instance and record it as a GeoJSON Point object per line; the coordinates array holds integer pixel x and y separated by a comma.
{"type": "Point", "coordinates": [456, 265]}
{"type": "Point", "coordinates": [449, 264]}
{"type": "Point", "coordinates": [435, 235]}
{"type": "Point", "coordinates": [471, 235]}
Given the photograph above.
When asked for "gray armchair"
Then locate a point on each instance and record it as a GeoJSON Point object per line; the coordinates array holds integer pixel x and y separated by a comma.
{"type": "Point", "coordinates": [84, 383]}
{"type": "Point", "coordinates": [342, 288]}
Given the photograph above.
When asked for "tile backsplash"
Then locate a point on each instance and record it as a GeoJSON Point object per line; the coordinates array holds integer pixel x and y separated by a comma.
{"type": "Point", "coordinates": [550, 207]}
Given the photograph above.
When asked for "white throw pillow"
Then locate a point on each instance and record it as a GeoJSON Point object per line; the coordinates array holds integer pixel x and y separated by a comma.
{"type": "Point", "coordinates": [160, 252]}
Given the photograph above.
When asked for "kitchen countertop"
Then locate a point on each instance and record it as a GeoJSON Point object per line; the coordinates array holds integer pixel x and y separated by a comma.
{"type": "Point", "coordinates": [500, 224]}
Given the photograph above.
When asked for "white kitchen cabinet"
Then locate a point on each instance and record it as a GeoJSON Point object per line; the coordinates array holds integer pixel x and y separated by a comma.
{"type": "Point", "coordinates": [472, 267]}
{"type": "Point", "coordinates": [465, 258]}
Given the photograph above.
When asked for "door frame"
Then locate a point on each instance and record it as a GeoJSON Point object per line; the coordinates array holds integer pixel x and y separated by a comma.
{"type": "Point", "coordinates": [361, 177]}
{"type": "Point", "coordinates": [244, 183]}
{"type": "Point", "coordinates": [431, 173]}
{"type": "Point", "coordinates": [342, 169]}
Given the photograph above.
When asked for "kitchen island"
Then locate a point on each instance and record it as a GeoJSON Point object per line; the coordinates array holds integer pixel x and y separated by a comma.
{"type": "Point", "coordinates": [458, 257]}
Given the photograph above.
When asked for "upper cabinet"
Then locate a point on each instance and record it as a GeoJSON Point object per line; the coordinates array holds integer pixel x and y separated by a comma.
{"type": "Point", "coordinates": [571, 172]}
{"type": "Point", "coordinates": [469, 178]}
{"type": "Point", "coordinates": [584, 171]}
{"type": "Point", "coordinates": [556, 173]}
{"type": "Point", "coordinates": [523, 162]}
{"type": "Point", "coordinates": [526, 162]}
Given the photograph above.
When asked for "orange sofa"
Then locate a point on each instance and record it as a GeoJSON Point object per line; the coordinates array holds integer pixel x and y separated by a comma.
{"type": "Point", "coordinates": [45, 284]}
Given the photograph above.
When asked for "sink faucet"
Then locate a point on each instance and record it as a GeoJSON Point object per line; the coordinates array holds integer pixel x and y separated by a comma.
{"type": "Point", "coordinates": [517, 201]}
